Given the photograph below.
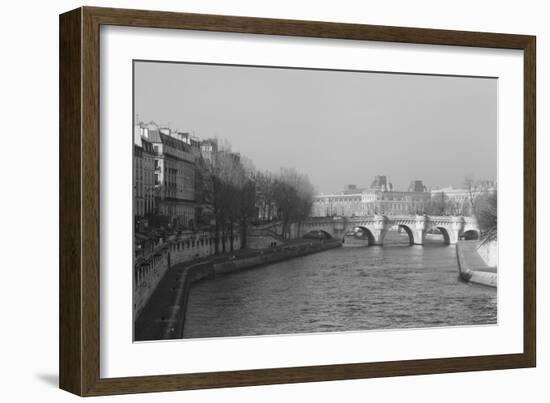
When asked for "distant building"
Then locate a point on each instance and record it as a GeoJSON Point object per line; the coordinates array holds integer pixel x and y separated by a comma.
{"type": "Point", "coordinates": [352, 189]}
{"type": "Point", "coordinates": [338, 204]}
{"type": "Point", "coordinates": [400, 202]}
{"type": "Point", "coordinates": [381, 183]}
{"type": "Point", "coordinates": [380, 198]}
{"type": "Point", "coordinates": [417, 186]}
{"type": "Point", "coordinates": [208, 149]}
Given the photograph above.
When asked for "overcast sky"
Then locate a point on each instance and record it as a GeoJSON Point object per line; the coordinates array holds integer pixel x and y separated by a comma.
{"type": "Point", "coordinates": [338, 127]}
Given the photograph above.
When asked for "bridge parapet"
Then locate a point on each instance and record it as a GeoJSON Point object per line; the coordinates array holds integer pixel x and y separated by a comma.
{"type": "Point", "coordinates": [376, 226]}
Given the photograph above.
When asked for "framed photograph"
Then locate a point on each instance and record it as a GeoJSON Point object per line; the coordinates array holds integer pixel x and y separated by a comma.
{"type": "Point", "coordinates": [248, 201]}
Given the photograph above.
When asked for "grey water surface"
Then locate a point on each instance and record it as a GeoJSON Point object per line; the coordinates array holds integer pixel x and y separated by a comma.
{"type": "Point", "coordinates": [343, 289]}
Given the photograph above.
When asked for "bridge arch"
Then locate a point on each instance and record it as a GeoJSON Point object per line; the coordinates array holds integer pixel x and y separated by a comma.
{"type": "Point", "coordinates": [368, 234]}
{"type": "Point", "coordinates": [445, 233]}
{"type": "Point", "coordinates": [409, 232]}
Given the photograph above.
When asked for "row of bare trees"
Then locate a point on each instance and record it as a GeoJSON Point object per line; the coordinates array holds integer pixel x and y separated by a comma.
{"type": "Point", "coordinates": [475, 192]}
{"type": "Point", "coordinates": [291, 196]}
{"type": "Point", "coordinates": [486, 214]}
{"type": "Point", "coordinates": [479, 202]}
{"type": "Point", "coordinates": [442, 204]}
{"type": "Point", "coordinates": [235, 194]}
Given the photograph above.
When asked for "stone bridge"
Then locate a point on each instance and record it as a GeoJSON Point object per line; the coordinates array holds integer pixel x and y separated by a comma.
{"type": "Point", "coordinates": [376, 227]}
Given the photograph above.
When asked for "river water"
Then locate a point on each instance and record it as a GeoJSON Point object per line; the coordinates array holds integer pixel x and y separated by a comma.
{"type": "Point", "coordinates": [343, 289]}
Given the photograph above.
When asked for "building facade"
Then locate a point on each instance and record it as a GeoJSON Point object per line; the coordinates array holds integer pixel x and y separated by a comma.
{"type": "Point", "coordinates": [148, 178]}
{"type": "Point", "coordinates": [338, 204]}
{"type": "Point", "coordinates": [165, 178]}
{"type": "Point", "coordinates": [379, 198]}
{"type": "Point", "coordinates": [143, 178]}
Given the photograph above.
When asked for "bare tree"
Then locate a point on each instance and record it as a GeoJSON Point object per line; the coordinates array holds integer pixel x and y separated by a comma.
{"type": "Point", "coordinates": [486, 214]}
{"type": "Point", "coordinates": [244, 196]}
{"type": "Point", "coordinates": [236, 189]}
{"type": "Point", "coordinates": [438, 205]}
{"type": "Point", "coordinates": [293, 196]}
{"type": "Point", "coordinates": [472, 191]}
{"type": "Point", "coordinates": [229, 174]}
{"type": "Point", "coordinates": [265, 185]}
{"type": "Point", "coordinates": [219, 170]}
{"type": "Point", "coordinates": [210, 190]}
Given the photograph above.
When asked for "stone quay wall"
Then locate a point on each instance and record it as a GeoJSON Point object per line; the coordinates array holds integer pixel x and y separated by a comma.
{"type": "Point", "coordinates": [489, 253]}
{"type": "Point", "coordinates": [263, 237]}
{"type": "Point", "coordinates": [472, 267]}
{"type": "Point", "coordinates": [149, 270]}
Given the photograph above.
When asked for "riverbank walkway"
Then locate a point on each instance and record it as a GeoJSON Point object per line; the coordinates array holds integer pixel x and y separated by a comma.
{"type": "Point", "coordinates": [158, 314]}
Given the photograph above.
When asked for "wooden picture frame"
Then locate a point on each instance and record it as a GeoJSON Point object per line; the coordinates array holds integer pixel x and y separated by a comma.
{"type": "Point", "coordinates": [79, 88]}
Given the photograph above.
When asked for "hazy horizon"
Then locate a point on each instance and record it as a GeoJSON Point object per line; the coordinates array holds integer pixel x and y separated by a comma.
{"type": "Point", "coordinates": [337, 127]}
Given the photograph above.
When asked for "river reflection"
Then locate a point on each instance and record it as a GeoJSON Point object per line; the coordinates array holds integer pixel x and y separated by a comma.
{"type": "Point", "coordinates": [360, 288]}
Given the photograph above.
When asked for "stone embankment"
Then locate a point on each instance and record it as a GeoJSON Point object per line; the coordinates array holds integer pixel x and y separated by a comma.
{"type": "Point", "coordinates": [263, 237]}
{"type": "Point", "coordinates": [477, 263]}
{"type": "Point", "coordinates": [164, 315]}
{"type": "Point", "coordinates": [151, 267]}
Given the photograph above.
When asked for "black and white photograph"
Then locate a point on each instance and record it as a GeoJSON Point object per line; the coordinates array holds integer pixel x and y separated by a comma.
{"type": "Point", "coordinates": [241, 201]}
{"type": "Point", "coordinates": [270, 200]}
